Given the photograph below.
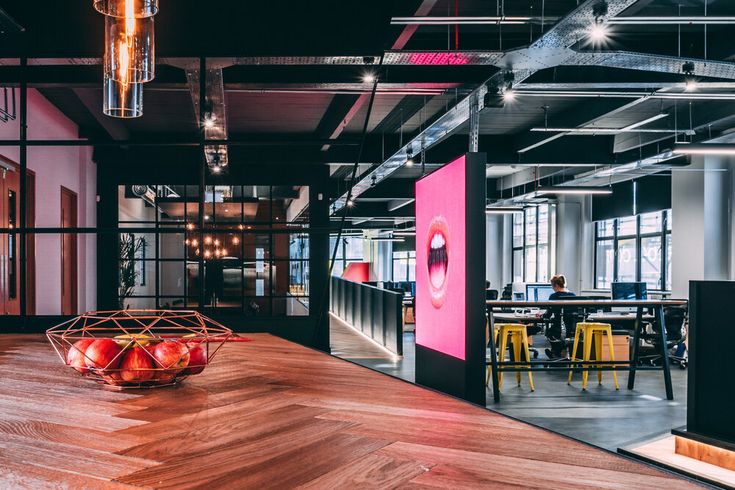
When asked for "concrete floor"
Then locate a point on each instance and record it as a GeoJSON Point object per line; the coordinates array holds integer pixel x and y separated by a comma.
{"type": "Point", "coordinates": [600, 416]}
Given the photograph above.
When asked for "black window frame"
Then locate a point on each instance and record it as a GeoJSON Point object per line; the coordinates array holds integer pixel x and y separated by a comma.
{"type": "Point", "coordinates": [664, 234]}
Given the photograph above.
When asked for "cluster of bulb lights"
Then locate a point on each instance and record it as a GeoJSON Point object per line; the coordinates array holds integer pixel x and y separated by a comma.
{"type": "Point", "coordinates": [129, 59]}
{"type": "Point", "coordinates": [213, 247]}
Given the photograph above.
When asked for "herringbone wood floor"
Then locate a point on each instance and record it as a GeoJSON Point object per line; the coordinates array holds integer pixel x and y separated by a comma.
{"type": "Point", "coordinates": [273, 414]}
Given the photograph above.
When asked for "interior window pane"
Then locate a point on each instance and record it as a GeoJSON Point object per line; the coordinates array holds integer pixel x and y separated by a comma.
{"type": "Point", "coordinates": [518, 265]}
{"type": "Point", "coordinates": [604, 261]}
{"type": "Point", "coordinates": [627, 226]}
{"type": "Point", "coordinates": [353, 248]}
{"type": "Point", "coordinates": [627, 260]}
{"type": "Point", "coordinates": [530, 264]}
{"type": "Point", "coordinates": [651, 222]}
{"type": "Point", "coordinates": [530, 226]}
{"type": "Point", "coordinates": [543, 263]}
{"type": "Point", "coordinates": [606, 228]}
{"type": "Point", "coordinates": [651, 254]}
{"type": "Point", "coordinates": [517, 230]}
{"type": "Point", "coordinates": [543, 224]}
{"type": "Point", "coordinates": [669, 218]}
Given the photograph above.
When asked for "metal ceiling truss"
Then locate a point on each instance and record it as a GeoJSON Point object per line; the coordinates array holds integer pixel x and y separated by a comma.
{"type": "Point", "coordinates": [559, 46]}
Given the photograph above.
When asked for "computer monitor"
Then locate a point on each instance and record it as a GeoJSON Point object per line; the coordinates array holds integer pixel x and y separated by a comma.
{"type": "Point", "coordinates": [538, 292]}
{"type": "Point", "coordinates": [629, 290]}
{"type": "Point", "coordinates": [519, 296]}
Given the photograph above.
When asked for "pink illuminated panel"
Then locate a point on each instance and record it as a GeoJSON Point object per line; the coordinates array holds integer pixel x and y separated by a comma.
{"type": "Point", "coordinates": [440, 260]}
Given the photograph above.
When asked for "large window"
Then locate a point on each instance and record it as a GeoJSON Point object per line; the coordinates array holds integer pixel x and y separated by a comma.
{"type": "Point", "coordinates": [533, 240]}
{"type": "Point", "coordinates": [404, 266]}
{"type": "Point", "coordinates": [634, 248]}
{"type": "Point", "coordinates": [350, 250]}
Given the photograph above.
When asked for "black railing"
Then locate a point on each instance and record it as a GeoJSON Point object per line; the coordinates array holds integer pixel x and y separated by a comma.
{"type": "Point", "coordinates": [375, 312]}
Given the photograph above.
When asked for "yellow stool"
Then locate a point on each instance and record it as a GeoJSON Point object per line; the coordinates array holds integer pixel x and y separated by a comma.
{"type": "Point", "coordinates": [592, 332]}
{"type": "Point", "coordinates": [519, 336]}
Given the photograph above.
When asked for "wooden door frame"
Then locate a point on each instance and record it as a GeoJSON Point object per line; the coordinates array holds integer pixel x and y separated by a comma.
{"type": "Point", "coordinates": [75, 255]}
{"type": "Point", "coordinates": [30, 253]}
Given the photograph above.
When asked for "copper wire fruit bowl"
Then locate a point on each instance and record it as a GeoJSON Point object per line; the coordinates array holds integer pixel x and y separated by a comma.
{"type": "Point", "coordinates": [138, 348]}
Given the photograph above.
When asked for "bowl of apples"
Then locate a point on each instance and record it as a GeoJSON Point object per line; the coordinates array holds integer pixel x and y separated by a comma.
{"type": "Point", "coordinates": [138, 348]}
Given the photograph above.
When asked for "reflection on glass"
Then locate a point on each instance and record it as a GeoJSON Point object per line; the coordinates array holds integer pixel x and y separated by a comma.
{"type": "Point", "coordinates": [627, 260]}
{"type": "Point", "coordinates": [651, 223]}
{"type": "Point", "coordinates": [651, 261]}
{"type": "Point", "coordinates": [605, 259]}
{"type": "Point", "coordinates": [668, 262]}
{"type": "Point", "coordinates": [518, 265]}
{"type": "Point", "coordinates": [627, 226]}
{"type": "Point", "coordinates": [606, 228]}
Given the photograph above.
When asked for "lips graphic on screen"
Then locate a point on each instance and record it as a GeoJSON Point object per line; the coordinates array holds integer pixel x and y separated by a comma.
{"type": "Point", "coordinates": [438, 259]}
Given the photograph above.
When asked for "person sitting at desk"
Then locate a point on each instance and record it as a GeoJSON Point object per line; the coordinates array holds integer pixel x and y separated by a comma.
{"type": "Point", "coordinates": [553, 332]}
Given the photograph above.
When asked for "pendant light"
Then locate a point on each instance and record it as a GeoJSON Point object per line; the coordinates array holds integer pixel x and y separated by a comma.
{"type": "Point", "coordinates": [123, 100]}
{"type": "Point", "coordinates": [129, 49]}
{"type": "Point", "coordinates": [127, 8]}
{"type": "Point", "coordinates": [129, 59]}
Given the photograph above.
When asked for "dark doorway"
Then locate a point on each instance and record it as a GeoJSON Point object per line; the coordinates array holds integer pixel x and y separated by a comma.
{"type": "Point", "coordinates": [68, 253]}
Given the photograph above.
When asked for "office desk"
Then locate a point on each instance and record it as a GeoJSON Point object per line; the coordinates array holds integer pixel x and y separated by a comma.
{"type": "Point", "coordinates": [639, 305]}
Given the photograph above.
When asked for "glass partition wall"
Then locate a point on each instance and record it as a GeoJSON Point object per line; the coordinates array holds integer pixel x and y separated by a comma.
{"type": "Point", "coordinates": [251, 257]}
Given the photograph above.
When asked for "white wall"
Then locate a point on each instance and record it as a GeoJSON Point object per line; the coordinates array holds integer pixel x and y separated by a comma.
{"type": "Point", "coordinates": [73, 168]}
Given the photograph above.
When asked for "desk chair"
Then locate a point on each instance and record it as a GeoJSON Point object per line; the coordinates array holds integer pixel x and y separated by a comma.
{"type": "Point", "coordinates": [676, 333]}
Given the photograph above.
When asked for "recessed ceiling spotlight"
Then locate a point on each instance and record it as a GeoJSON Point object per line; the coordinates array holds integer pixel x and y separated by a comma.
{"type": "Point", "coordinates": [209, 119]}
{"type": "Point", "coordinates": [599, 33]}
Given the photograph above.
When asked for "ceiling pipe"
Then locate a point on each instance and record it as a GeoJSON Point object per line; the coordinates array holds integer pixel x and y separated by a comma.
{"type": "Point", "coordinates": [464, 20]}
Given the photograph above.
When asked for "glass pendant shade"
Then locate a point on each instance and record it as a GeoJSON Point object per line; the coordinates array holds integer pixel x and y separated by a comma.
{"type": "Point", "coordinates": [130, 49]}
{"type": "Point", "coordinates": [127, 8]}
{"type": "Point", "coordinates": [124, 100]}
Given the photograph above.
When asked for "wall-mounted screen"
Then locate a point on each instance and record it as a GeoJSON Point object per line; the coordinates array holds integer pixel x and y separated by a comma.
{"type": "Point", "coordinates": [440, 260]}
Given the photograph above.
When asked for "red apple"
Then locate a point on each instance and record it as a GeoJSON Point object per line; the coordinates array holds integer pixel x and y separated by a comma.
{"type": "Point", "coordinates": [171, 355]}
{"type": "Point", "coordinates": [103, 355]}
{"type": "Point", "coordinates": [75, 356]}
{"type": "Point", "coordinates": [197, 359]}
{"type": "Point", "coordinates": [137, 365]}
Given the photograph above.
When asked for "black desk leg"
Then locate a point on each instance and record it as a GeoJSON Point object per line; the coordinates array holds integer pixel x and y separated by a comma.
{"type": "Point", "coordinates": [664, 353]}
{"type": "Point", "coordinates": [493, 355]}
{"type": "Point", "coordinates": [636, 341]}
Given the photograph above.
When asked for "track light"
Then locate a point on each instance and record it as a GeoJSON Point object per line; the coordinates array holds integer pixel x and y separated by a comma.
{"type": "Point", "coordinates": [599, 31]}
{"type": "Point", "coordinates": [509, 95]}
{"type": "Point", "coordinates": [209, 120]}
{"type": "Point", "coordinates": [409, 157]}
{"type": "Point", "coordinates": [688, 68]}
{"type": "Point", "coordinates": [545, 191]}
{"type": "Point", "coordinates": [690, 85]}
{"type": "Point", "coordinates": [368, 77]}
{"type": "Point", "coordinates": [704, 149]}
{"type": "Point", "coordinates": [350, 202]}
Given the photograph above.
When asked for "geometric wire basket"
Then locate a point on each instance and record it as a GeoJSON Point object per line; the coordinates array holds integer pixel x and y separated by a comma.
{"type": "Point", "coordinates": [138, 348]}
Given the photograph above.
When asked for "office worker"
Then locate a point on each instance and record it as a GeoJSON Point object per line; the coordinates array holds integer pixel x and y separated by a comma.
{"type": "Point", "coordinates": [553, 332]}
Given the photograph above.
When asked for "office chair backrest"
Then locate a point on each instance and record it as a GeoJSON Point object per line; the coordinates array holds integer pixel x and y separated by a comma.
{"type": "Point", "coordinates": [571, 314]}
{"type": "Point", "coordinates": [491, 294]}
{"type": "Point", "coordinates": [675, 316]}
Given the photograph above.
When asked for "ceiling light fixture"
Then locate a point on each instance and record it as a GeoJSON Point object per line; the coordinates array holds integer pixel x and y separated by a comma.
{"type": "Point", "coordinates": [368, 77]}
{"type": "Point", "coordinates": [704, 149]}
{"type": "Point", "coordinates": [599, 31]}
{"type": "Point", "coordinates": [129, 58]}
{"type": "Point", "coordinates": [409, 157]}
{"type": "Point", "coordinates": [558, 189]}
{"type": "Point", "coordinates": [503, 209]}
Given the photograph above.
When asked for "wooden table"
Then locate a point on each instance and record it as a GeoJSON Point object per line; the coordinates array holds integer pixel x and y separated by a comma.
{"type": "Point", "coordinates": [639, 305]}
{"type": "Point", "coordinates": [273, 414]}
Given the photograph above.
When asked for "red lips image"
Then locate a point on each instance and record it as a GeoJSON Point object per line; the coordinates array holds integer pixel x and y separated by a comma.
{"type": "Point", "coordinates": [437, 245]}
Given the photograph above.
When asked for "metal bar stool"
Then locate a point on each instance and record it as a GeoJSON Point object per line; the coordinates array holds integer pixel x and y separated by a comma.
{"type": "Point", "coordinates": [592, 332]}
{"type": "Point", "coordinates": [519, 337]}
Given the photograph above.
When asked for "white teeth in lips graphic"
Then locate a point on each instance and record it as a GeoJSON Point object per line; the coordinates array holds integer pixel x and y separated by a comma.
{"type": "Point", "coordinates": [437, 241]}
